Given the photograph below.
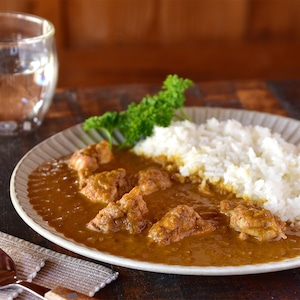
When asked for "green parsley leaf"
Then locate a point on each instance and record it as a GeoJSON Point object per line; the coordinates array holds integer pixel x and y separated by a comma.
{"type": "Point", "coordinates": [139, 119]}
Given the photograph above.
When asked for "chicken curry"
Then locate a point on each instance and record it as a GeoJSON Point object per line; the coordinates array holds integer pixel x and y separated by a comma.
{"type": "Point", "coordinates": [139, 208]}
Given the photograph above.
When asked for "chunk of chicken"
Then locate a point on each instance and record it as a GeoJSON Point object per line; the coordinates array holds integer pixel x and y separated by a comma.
{"type": "Point", "coordinates": [151, 180]}
{"type": "Point", "coordinates": [107, 186]}
{"type": "Point", "coordinates": [128, 213]}
{"type": "Point", "coordinates": [178, 223]}
{"type": "Point", "coordinates": [252, 221]}
{"type": "Point", "coordinates": [85, 161]}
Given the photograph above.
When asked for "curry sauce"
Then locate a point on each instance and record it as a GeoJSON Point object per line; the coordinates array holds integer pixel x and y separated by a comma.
{"type": "Point", "coordinates": [54, 193]}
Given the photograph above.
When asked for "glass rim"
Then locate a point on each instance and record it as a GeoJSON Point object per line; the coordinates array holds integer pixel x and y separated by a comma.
{"type": "Point", "coordinates": [33, 19]}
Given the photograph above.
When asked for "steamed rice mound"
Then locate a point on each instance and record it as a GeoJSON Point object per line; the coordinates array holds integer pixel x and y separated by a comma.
{"type": "Point", "coordinates": [250, 161]}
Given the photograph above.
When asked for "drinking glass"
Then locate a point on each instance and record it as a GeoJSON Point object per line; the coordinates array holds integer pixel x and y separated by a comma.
{"type": "Point", "coordinates": [28, 71]}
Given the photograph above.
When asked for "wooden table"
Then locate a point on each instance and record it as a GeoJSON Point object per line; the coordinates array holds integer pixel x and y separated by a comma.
{"type": "Point", "coordinates": [72, 106]}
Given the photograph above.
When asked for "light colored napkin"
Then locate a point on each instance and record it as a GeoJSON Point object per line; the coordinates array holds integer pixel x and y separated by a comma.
{"type": "Point", "coordinates": [51, 269]}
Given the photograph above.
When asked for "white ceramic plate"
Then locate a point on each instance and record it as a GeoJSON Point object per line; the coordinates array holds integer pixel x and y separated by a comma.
{"type": "Point", "coordinates": [67, 141]}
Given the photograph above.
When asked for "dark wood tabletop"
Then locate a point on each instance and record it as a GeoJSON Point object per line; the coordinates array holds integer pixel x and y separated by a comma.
{"type": "Point", "coordinates": [72, 106]}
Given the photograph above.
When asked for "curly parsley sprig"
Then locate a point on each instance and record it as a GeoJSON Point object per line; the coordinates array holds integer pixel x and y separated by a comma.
{"type": "Point", "coordinates": [139, 119]}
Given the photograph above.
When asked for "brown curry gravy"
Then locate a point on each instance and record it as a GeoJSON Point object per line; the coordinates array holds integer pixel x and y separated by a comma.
{"type": "Point", "coordinates": [54, 194]}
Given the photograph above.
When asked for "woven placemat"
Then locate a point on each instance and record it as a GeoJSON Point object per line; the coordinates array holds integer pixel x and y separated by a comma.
{"type": "Point", "coordinates": [51, 269]}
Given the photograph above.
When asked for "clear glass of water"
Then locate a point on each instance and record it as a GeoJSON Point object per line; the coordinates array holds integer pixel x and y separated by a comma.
{"type": "Point", "coordinates": [28, 71]}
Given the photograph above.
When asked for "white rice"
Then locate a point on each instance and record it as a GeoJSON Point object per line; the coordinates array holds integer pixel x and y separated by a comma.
{"type": "Point", "coordinates": [250, 161]}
